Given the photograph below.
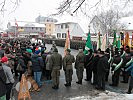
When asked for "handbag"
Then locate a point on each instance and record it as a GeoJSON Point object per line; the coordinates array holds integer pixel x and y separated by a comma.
{"type": "Point", "coordinates": [19, 67]}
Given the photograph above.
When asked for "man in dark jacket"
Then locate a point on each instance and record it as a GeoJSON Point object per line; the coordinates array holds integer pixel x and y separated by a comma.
{"type": "Point", "coordinates": [37, 66]}
{"type": "Point", "coordinates": [126, 59]}
{"type": "Point", "coordinates": [94, 67]}
{"type": "Point", "coordinates": [88, 62]}
{"type": "Point", "coordinates": [56, 62]}
{"type": "Point", "coordinates": [2, 84]}
{"type": "Point", "coordinates": [116, 74]}
{"type": "Point", "coordinates": [101, 71]}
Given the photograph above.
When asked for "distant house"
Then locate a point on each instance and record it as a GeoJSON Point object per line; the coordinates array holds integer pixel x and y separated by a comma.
{"type": "Point", "coordinates": [25, 29]}
{"type": "Point", "coordinates": [128, 23]}
{"type": "Point", "coordinates": [50, 27]}
{"type": "Point", "coordinates": [75, 30]}
{"type": "Point", "coordinates": [42, 19]}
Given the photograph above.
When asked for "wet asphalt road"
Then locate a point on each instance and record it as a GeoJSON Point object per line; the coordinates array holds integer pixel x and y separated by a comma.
{"type": "Point", "coordinates": [63, 93]}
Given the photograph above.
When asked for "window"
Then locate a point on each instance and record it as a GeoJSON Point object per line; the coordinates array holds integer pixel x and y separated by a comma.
{"type": "Point", "coordinates": [58, 35]}
{"type": "Point", "coordinates": [32, 28]}
{"type": "Point", "coordinates": [49, 29]}
{"type": "Point", "coordinates": [61, 26]}
{"type": "Point", "coordinates": [21, 27]}
{"type": "Point", "coordinates": [49, 25]}
{"type": "Point", "coordinates": [63, 35]}
{"type": "Point", "coordinates": [36, 28]}
{"type": "Point", "coordinates": [40, 29]}
{"type": "Point", "coordinates": [66, 25]}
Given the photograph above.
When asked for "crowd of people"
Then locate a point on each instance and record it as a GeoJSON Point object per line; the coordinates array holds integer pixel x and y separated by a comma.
{"type": "Point", "coordinates": [23, 57]}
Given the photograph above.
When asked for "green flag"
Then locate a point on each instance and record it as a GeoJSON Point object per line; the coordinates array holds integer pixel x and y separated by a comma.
{"type": "Point", "coordinates": [118, 43]}
{"type": "Point", "coordinates": [88, 44]}
{"type": "Point", "coordinates": [114, 41]}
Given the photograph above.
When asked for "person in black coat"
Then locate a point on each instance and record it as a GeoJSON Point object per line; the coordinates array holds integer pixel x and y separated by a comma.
{"type": "Point", "coordinates": [94, 67]}
{"type": "Point", "coordinates": [102, 68]}
{"type": "Point", "coordinates": [126, 59]}
{"type": "Point", "coordinates": [3, 90]}
{"type": "Point", "coordinates": [88, 62]}
{"type": "Point", "coordinates": [22, 64]}
{"type": "Point", "coordinates": [116, 74]}
{"type": "Point", "coordinates": [107, 54]}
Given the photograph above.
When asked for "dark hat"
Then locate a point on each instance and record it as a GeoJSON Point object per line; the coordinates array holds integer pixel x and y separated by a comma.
{"type": "Point", "coordinates": [68, 50]}
{"type": "Point", "coordinates": [102, 52]}
{"type": "Point", "coordinates": [107, 50]}
{"type": "Point", "coordinates": [127, 46]}
{"type": "Point", "coordinates": [37, 52]}
{"type": "Point", "coordinates": [55, 50]}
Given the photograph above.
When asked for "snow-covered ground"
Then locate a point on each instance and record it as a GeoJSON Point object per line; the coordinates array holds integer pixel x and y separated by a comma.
{"type": "Point", "coordinates": [107, 95]}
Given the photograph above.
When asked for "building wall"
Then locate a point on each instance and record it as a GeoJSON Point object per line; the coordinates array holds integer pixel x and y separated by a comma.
{"type": "Point", "coordinates": [62, 29]}
{"type": "Point", "coordinates": [50, 27]}
{"type": "Point", "coordinates": [25, 31]}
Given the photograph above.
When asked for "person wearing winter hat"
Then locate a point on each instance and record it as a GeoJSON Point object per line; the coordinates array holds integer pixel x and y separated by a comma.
{"type": "Point", "coordinates": [9, 76]}
{"type": "Point", "coordinates": [37, 66]}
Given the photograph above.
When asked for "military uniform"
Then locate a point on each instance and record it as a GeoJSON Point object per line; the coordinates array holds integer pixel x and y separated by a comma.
{"type": "Point", "coordinates": [115, 76]}
{"type": "Point", "coordinates": [79, 66]}
{"type": "Point", "coordinates": [56, 62]}
{"type": "Point", "coordinates": [67, 66]}
{"type": "Point", "coordinates": [126, 59]}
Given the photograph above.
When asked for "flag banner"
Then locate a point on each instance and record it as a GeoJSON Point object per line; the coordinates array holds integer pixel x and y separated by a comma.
{"type": "Point", "coordinates": [98, 41]}
{"type": "Point", "coordinates": [16, 24]}
{"type": "Point", "coordinates": [118, 43]}
{"type": "Point", "coordinates": [67, 43]}
{"type": "Point", "coordinates": [132, 41]}
{"type": "Point", "coordinates": [122, 38]}
{"type": "Point", "coordinates": [127, 40]}
{"type": "Point", "coordinates": [103, 46]}
{"type": "Point", "coordinates": [114, 40]}
{"type": "Point", "coordinates": [88, 45]}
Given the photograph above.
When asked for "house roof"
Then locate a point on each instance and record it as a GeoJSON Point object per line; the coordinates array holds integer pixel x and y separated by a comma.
{"type": "Point", "coordinates": [26, 24]}
{"type": "Point", "coordinates": [65, 23]}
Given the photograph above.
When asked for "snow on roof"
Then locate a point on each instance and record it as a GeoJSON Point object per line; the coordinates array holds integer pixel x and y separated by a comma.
{"type": "Point", "coordinates": [65, 23]}
{"type": "Point", "coordinates": [27, 24]}
{"type": "Point", "coordinates": [128, 22]}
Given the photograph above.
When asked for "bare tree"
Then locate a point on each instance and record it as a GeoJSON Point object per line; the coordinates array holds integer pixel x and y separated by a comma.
{"type": "Point", "coordinates": [5, 3]}
{"type": "Point", "coordinates": [108, 21]}
{"type": "Point", "coordinates": [84, 6]}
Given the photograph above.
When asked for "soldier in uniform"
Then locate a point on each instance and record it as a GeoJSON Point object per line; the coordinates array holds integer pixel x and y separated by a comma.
{"type": "Point", "coordinates": [126, 58]}
{"type": "Point", "coordinates": [79, 65]}
{"type": "Point", "coordinates": [56, 66]}
{"type": "Point", "coordinates": [116, 74]}
{"type": "Point", "coordinates": [67, 66]}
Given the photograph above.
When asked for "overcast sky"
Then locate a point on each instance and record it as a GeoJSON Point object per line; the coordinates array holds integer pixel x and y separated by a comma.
{"type": "Point", "coordinates": [28, 10]}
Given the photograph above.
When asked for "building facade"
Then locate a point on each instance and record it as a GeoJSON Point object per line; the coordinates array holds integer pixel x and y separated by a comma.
{"type": "Point", "coordinates": [50, 27]}
{"type": "Point", "coordinates": [25, 29]}
{"type": "Point", "coordinates": [75, 30]}
{"type": "Point", "coordinates": [42, 19]}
